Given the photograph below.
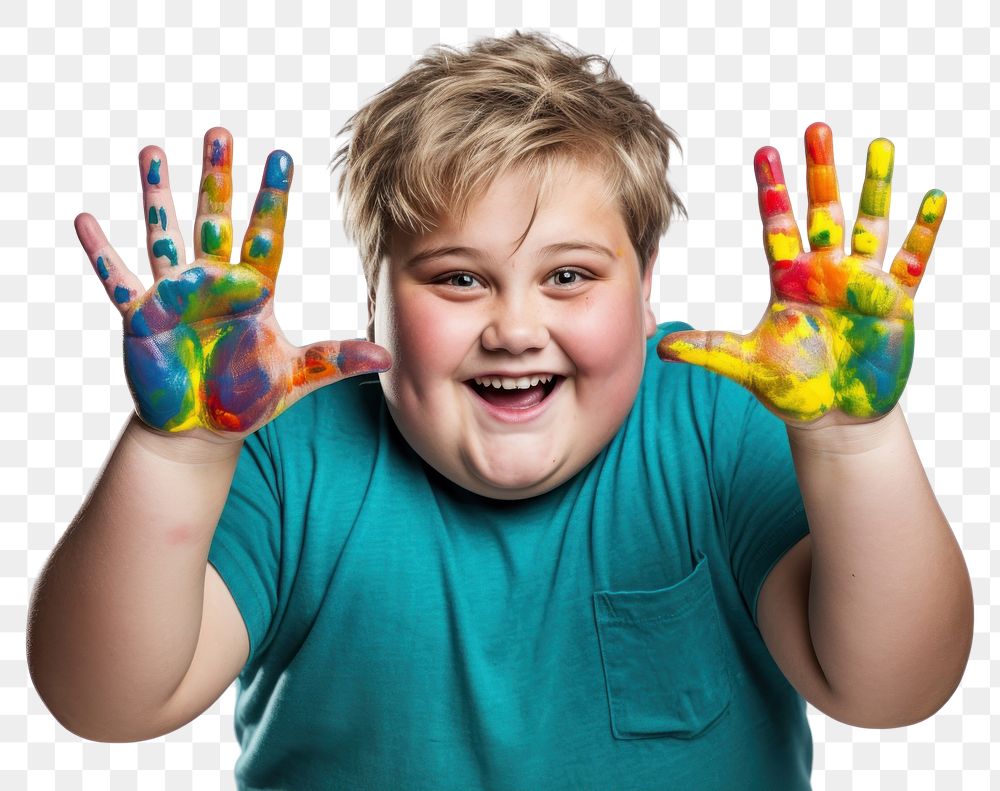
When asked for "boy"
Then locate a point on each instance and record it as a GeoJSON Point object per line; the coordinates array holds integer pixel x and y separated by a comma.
{"type": "Point", "coordinates": [516, 550]}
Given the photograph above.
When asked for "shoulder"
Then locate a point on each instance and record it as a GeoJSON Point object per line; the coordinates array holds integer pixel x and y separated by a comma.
{"type": "Point", "coordinates": [339, 419]}
{"type": "Point", "coordinates": [698, 395]}
{"type": "Point", "coordinates": [345, 408]}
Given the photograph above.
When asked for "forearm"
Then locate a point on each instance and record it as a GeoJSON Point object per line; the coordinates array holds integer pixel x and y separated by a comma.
{"type": "Point", "coordinates": [116, 612]}
{"type": "Point", "coordinates": [890, 602]}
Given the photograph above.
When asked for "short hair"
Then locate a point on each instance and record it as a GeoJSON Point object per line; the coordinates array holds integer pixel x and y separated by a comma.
{"type": "Point", "coordinates": [433, 141]}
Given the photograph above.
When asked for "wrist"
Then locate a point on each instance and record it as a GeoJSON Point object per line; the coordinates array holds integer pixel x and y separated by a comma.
{"type": "Point", "coordinates": [849, 439]}
{"type": "Point", "coordinates": [182, 447]}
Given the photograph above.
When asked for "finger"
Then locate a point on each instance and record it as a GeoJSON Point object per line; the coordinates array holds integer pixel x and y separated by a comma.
{"type": "Point", "coordinates": [123, 286]}
{"type": "Point", "coordinates": [265, 237]}
{"type": "Point", "coordinates": [781, 234]}
{"type": "Point", "coordinates": [322, 363]}
{"type": "Point", "coordinates": [213, 224]}
{"type": "Point", "coordinates": [825, 219]}
{"type": "Point", "coordinates": [871, 229]}
{"type": "Point", "coordinates": [164, 242]}
{"type": "Point", "coordinates": [910, 263]}
{"type": "Point", "coordinates": [724, 353]}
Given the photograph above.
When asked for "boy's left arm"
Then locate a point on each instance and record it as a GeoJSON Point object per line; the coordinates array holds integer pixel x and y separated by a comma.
{"type": "Point", "coordinates": [870, 616]}
{"type": "Point", "coordinates": [884, 620]}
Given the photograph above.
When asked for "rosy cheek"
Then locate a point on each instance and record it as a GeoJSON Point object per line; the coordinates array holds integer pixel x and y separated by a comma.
{"type": "Point", "coordinates": [426, 339]}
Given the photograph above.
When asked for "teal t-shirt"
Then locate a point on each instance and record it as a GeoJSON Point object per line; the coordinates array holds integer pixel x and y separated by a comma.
{"type": "Point", "coordinates": [406, 633]}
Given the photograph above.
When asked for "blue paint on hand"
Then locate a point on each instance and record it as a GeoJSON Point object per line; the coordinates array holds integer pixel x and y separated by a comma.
{"type": "Point", "coordinates": [122, 294]}
{"type": "Point", "coordinates": [174, 295]}
{"type": "Point", "coordinates": [165, 248]}
{"type": "Point", "coordinates": [102, 268]}
{"type": "Point", "coordinates": [139, 324]}
{"type": "Point", "coordinates": [278, 170]}
{"type": "Point", "coordinates": [260, 247]}
{"type": "Point", "coordinates": [153, 176]}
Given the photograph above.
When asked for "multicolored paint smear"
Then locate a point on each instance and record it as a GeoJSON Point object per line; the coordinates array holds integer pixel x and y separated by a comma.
{"type": "Point", "coordinates": [202, 349]}
{"type": "Point", "coordinates": [214, 228]}
{"type": "Point", "coordinates": [838, 333]}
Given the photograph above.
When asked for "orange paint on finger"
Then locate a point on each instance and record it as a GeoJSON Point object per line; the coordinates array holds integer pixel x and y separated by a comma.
{"type": "Point", "coordinates": [821, 182]}
{"type": "Point", "coordinates": [920, 241]}
{"type": "Point", "coordinates": [217, 187]}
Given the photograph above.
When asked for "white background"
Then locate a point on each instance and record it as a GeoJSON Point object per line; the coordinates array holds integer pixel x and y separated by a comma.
{"type": "Point", "coordinates": [82, 91]}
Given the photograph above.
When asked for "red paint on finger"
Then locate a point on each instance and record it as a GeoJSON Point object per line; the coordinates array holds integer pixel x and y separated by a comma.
{"type": "Point", "coordinates": [767, 167]}
{"type": "Point", "coordinates": [775, 201]}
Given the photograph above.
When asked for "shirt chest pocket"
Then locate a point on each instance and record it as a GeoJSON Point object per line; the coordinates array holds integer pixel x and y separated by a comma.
{"type": "Point", "coordinates": [665, 665]}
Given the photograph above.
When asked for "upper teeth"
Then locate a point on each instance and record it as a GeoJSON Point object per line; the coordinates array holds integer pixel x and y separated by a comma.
{"type": "Point", "coordinates": [507, 383]}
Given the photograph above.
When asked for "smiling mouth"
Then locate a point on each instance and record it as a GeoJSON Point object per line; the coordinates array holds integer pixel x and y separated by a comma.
{"type": "Point", "coordinates": [516, 398]}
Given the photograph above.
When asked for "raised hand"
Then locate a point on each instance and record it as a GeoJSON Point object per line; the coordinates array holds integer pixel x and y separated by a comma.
{"type": "Point", "coordinates": [203, 351]}
{"type": "Point", "coordinates": [835, 344]}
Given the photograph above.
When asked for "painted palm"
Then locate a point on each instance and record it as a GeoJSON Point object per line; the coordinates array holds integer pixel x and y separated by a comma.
{"type": "Point", "coordinates": [202, 348]}
{"type": "Point", "coordinates": [837, 336]}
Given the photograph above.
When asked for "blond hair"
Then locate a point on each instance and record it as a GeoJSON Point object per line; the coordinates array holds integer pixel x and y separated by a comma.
{"type": "Point", "coordinates": [432, 142]}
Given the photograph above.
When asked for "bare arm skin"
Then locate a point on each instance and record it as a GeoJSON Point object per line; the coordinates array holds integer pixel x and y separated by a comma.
{"type": "Point", "coordinates": [129, 634]}
{"type": "Point", "coordinates": [870, 616]}
{"type": "Point", "coordinates": [116, 613]}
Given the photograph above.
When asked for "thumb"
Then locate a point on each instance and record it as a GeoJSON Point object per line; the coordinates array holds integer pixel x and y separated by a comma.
{"type": "Point", "coordinates": [722, 352]}
{"type": "Point", "coordinates": [328, 361]}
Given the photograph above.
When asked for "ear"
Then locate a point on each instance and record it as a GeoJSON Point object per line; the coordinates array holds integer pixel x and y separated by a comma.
{"type": "Point", "coordinates": [370, 333]}
{"type": "Point", "coordinates": [647, 290]}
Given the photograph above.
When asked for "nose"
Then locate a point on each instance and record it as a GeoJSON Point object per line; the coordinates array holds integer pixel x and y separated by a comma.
{"type": "Point", "coordinates": [515, 326]}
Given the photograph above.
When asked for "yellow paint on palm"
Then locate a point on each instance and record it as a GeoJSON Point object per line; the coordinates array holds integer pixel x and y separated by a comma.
{"type": "Point", "coordinates": [804, 398]}
{"type": "Point", "coordinates": [823, 230]}
{"type": "Point", "coordinates": [787, 372]}
{"type": "Point", "coordinates": [871, 295]}
{"type": "Point", "coordinates": [189, 357]}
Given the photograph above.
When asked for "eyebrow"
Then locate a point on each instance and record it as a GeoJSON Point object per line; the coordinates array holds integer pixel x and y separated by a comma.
{"type": "Point", "coordinates": [552, 249]}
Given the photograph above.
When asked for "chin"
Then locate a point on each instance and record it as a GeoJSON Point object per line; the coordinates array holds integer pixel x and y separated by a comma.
{"type": "Point", "coordinates": [510, 481]}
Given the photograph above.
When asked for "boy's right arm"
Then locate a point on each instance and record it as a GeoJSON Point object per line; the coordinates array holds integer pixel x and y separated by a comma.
{"type": "Point", "coordinates": [130, 634]}
{"type": "Point", "coordinates": [129, 638]}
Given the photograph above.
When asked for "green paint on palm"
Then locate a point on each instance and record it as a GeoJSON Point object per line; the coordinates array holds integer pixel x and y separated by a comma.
{"type": "Point", "coordinates": [869, 296]}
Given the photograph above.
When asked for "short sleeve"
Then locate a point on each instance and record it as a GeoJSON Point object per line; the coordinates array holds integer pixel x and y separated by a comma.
{"type": "Point", "coordinates": [245, 548]}
{"type": "Point", "coordinates": [763, 511]}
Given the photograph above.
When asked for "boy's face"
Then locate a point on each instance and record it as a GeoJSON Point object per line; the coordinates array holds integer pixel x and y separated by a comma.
{"type": "Point", "coordinates": [482, 306]}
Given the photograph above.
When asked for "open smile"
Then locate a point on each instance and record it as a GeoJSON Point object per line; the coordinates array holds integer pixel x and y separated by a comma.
{"type": "Point", "coordinates": [518, 404]}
